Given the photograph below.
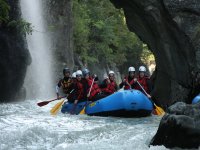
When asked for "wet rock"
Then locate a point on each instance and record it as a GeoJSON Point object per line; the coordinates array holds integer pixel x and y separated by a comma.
{"type": "Point", "coordinates": [180, 127]}
{"type": "Point", "coordinates": [58, 17]}
{"type": "Point", "coordinates": [171, 30]}
{"type": "Point", "coordinates": [14, 57]}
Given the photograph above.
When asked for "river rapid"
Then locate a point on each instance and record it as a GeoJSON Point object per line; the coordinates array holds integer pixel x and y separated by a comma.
{"type": "Point", "coordinates": [24, 125]}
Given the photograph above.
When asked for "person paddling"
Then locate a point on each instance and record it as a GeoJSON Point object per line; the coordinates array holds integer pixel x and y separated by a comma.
{"type": "Point", "coordinates": [95, 93]}
{"type": "Point", "coordinates": [109, 85]}
{"type": "Point", "coordinates": [129, 82]}
{"type": "Point", "coordinates": [72, 96]}
{"type": "Point", "coordinates": [64, 83]}
{"type": "Point", "coordinates": [79, 88]}
{"type": "Point", "coordinates": [87, 82]}
{"type": "Point", "coordinates": [144, 81]}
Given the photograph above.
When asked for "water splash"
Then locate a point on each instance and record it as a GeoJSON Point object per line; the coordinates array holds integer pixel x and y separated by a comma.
{"type": "Point", "coordinates": [39, 78]}
{"type": "Point", "coordinates": [24, 125]}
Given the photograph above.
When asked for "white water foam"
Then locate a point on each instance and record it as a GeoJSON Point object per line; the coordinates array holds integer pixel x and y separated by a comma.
{"type": "Point", "coordinates": [24, 125]}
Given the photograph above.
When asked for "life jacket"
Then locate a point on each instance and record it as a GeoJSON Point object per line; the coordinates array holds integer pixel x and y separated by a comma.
{"type": "Point", "coordinates": [72, 92]}
{"type": "Point", "coordinates": [86, 86]}
{"type": "Point", "coordinates": [65, 83]}
{"type": "Point", "coordinates": [79, 90]}
{"type": "Point", "coordinates": [111, 88]}
{"type": "Point", "coordinates": [89, 84]}
{"type": "Point", "coordinates": [94, 91]}
{"type": "Point", "coordinates": [90, 80]}
{"type": "Point", "coordinates": [131, 82]}
{"type": "Point", "coordinates": [143, 82]}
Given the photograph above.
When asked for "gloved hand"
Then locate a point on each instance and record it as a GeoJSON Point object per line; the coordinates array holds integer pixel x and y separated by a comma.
{"type": "Point", "coordinates": [149, 96]}
{"type": "Point", "coordinates": [58, 96]}
{"type": "Point", "coordinates": [88, 95]}
{"type": "Point", "coordinates": [75, 102]}
{"type": "Point", "coordinates": [105, 77]}
{"type": "Point", "coordinates": [124, 80]}
{"type": "Point", "coordinates": [108, 81]}
{"type": "Point", "coordinates": [94, 76]}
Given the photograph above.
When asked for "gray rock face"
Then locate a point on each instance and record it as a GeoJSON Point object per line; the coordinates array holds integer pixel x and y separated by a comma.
{"type": "Point", "coordinates": [58, 15]}
{"type": "Point", "coordinates": [14, 58]}
{"type": "Point", "coordinates": [180, 127]}
{"type": "Point", "coordinates": [171, 30]}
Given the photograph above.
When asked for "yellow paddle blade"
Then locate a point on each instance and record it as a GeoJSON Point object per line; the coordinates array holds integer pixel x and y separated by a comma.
{"type": "Point", "coordinates": [56, 108]}
{"type": "Point", "coordinates": [82, 111]}
{"type": "Point", "coordinates": [159, 110]}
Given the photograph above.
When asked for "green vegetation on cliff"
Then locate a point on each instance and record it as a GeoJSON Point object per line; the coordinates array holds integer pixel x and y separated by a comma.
{"type": "Point", "coordinates": [101, 35]}
{"type": "Point", "coordinates": [4, 11]}
{"type": "Point", "coordinates": [20, 25]}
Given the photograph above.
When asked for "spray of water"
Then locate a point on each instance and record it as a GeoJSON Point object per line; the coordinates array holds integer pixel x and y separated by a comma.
{"type": "Point", "coordinates": [39, 78]}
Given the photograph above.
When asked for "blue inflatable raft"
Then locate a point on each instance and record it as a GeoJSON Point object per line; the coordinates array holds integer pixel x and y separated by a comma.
{"type": "Point", "coordinates": [127, 103]}
{"type": "Point", "coordinates": [196, 99]}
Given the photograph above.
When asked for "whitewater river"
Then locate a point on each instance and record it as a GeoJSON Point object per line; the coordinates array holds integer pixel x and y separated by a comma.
{"type": "Point", "coordinates": [24, 125]}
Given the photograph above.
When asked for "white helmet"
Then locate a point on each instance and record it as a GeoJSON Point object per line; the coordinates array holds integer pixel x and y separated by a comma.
{"type": "Point", "coordinates": [131, 69]}
{"type": "Point", "coordinates": [74, 75]}
{"type": "Point", "coordinates": [111, 72]}
{"type": "Point", "coordinates": [79, 72]}
{"type": "Point", "coordinates": [142, 68]}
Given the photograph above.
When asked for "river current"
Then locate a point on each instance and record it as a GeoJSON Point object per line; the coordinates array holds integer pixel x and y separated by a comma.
{"type": "Point", "coordinates": [24, 125]}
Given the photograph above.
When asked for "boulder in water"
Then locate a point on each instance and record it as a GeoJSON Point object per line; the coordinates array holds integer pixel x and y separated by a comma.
{"type": "Point", "coordinates": [180, 127]}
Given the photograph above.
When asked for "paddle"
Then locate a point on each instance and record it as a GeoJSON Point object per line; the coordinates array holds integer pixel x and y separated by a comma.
{"type": "Point", "coordinates": [48, 101]}
{"type": "Point", "coordinates": [57, 107]}
{"type": "Point", "coordinates": [158, 110]}
{"type": "Point", "coordinates": [83, 110]}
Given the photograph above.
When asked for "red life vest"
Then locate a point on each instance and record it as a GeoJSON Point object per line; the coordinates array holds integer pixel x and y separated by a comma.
{"type": "Point", "coordinates": [80, 90]}
{"type": "Point", "coordinates": [89, 80]}
{"type": "Point", "coordinates": [94, 91]}
{"type": "Point", "coordinates": [89, 84]}
{"type": "Point", "coordinates": [127, 87]}
{"type": "Point", "coordinates": [111, 87]}
{"type": "Point", "coordinates": [143, 82]}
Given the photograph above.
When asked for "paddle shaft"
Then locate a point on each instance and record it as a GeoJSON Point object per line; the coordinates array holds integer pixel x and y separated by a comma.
{"type": "Point", "coordinates": [57, 107]}
{"type": "Point", "coordinates": [142, 87]}
{"type": "Point", "coordinates": [91, 88]}
{"type": "Point", "coordinates": [159, 109]}
{"type": "Point", "coordinates": [46, 102]}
